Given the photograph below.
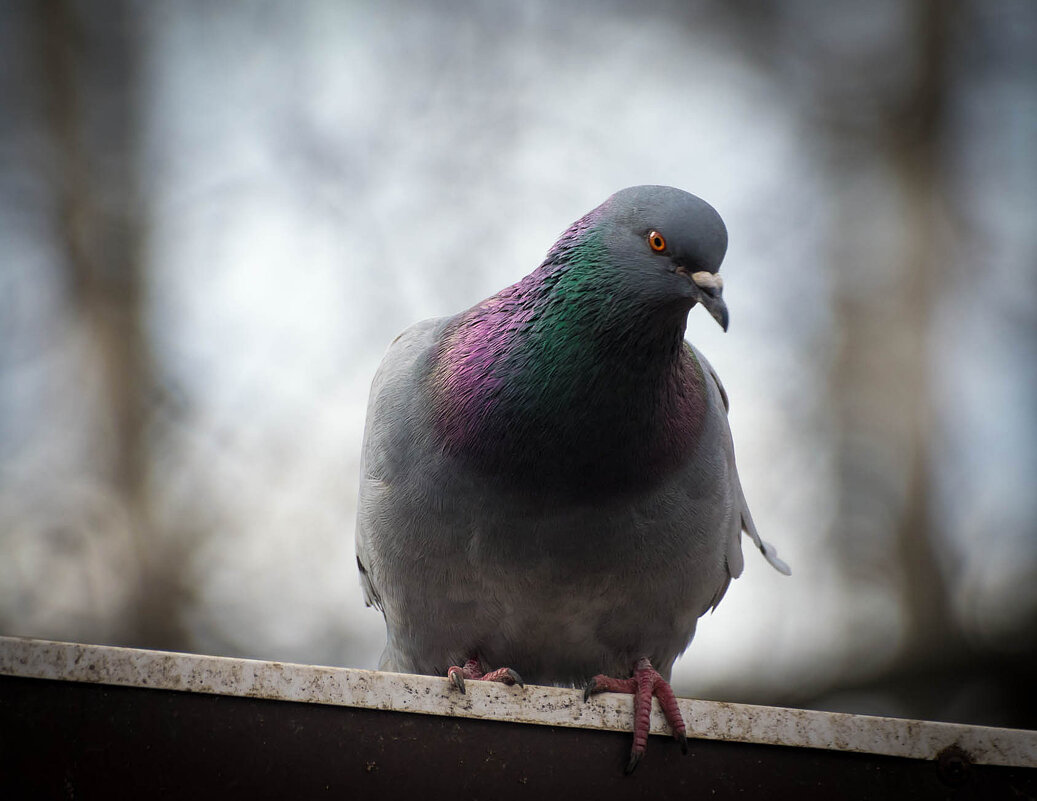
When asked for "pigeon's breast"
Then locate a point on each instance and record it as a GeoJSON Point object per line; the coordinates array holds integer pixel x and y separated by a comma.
{"type": "Point", "coordinates": [577, 425]}
{"type": "Point", "coordinates": [557, 588]}
{"type": "Point", "coordinates": [559, 575]}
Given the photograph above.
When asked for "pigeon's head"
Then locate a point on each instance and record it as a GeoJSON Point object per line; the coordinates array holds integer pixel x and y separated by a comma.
{"type": "Point", "coordinates": [666, 246]}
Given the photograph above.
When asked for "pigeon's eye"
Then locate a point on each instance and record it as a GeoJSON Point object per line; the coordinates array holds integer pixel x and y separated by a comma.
{"type": "Point", "coordinates": [656, 241]}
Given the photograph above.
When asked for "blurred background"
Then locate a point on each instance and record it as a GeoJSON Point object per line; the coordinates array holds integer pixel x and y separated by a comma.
{"type": "Point", "coordinates": [215, 216]}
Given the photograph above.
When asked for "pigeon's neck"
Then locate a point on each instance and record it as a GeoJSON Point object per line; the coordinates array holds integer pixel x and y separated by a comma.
{"type": "Point", "coordinates": [559, 380]}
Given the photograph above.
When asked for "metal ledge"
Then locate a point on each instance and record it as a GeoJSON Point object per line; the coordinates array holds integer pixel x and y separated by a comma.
{"type": "Point", "coordinates": [749, 733]}
{"type": "Point", "coordinates": [551, 706]}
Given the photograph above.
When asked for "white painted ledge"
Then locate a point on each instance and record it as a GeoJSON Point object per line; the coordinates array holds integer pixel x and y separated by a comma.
{"type": "Point", "coordinates": [161, 670]}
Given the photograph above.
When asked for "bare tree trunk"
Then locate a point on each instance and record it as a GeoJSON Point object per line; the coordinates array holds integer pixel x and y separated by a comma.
{"type": "Point", "coordinates": [880, 385]}
{"type": "Point", "coordinates": [918, 130]}
{"type": "Point", "coordinates": [91, 67]}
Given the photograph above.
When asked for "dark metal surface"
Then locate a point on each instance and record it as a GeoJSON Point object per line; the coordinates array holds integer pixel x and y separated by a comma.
{"type": "Point", "coordinates": [74, 740]}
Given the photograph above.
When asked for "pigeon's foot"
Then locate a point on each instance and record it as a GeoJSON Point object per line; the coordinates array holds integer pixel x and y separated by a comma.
{"type": "Point", "coordinates": [645, 683]}
{"type": "Point", "coordinates": [472, 669]}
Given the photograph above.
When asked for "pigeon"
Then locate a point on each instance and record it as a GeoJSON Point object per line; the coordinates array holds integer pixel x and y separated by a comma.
{"type": "Point", "coordinates": [548, 488]}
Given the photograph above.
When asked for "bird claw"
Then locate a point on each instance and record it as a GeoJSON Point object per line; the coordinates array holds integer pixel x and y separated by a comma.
{"type": "Point", "coordinates": [456, 675]}
{"type": "Point", "coordinates": [603, 684]}
{"type": "Point", "coordinates": [645, 683]}
{"type": "Point", "coordinates": [473, 670]}
{"type": "Point", "coordinates": [515, 678]}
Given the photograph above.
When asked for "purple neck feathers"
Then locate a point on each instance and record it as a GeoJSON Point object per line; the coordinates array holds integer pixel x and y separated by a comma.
{"type": "Point", "coordinates": [557, 382]}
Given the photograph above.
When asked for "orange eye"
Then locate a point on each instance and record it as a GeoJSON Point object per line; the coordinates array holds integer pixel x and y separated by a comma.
{"type": "Point", "coordinates": [656, 241]}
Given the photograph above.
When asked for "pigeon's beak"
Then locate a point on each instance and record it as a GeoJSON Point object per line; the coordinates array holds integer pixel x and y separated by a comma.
{"type": "Point", "coordinates": [711, 286]}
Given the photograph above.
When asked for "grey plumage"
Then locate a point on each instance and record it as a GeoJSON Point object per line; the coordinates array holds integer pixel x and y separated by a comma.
{"type": "Point", "coordinates": [567, 577]}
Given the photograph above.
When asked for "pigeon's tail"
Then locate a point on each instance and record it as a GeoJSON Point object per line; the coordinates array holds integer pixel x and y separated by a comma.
{"type": "Point", "coordinates": [770, 553]}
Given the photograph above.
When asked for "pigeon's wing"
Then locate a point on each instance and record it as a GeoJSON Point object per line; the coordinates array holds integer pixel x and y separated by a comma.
{"type": "Point", "coordinates": [391, 420]}
{"type": "Point", "coordinates": [735, 562]}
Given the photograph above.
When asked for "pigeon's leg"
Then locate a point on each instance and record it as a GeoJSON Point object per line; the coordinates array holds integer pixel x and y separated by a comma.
{"type": "Point", "coordinates": [645, 683]}
{"type": "Point", "coordinates": [472, 669]}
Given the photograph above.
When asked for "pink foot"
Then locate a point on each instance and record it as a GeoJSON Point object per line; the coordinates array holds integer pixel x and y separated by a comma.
{"type": "Point", "coordinates": [473, 670]}
{"type": "Point", "coordinates": [645, 683]}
